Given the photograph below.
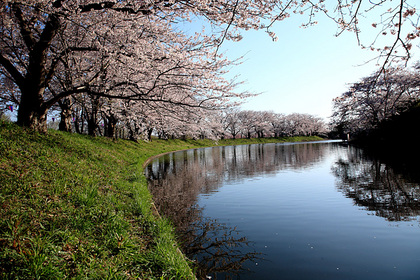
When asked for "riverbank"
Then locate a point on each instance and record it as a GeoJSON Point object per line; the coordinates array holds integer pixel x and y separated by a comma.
{"type": "Point", "coordinates": [74, 206]}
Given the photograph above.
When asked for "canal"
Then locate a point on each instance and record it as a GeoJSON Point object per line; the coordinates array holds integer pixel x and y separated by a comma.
{"type": "Point", "coordinates": [320, 210]}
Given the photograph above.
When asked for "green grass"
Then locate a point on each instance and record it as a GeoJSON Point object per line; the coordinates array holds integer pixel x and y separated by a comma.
{"type": "Point", "coordinates": [77, 207]}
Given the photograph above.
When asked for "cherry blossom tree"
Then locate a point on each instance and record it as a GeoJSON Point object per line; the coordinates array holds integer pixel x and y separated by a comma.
{"type": "Point", "coordinates": [278, 125]}
{"type": "Point", "coordinates": [37, 36]}
{"type": "Point", "coordinates": [261, 123]}
{"type": "Point", "coordinates": [269, 124]}
{"type": "Point", "coordinates": [231, 122]}
{"type": "Point", "coordinates": [375, 99]}
{"type": "Point", "coordinates": [297, 124]}
{"type": "Point", "coordinates": [38, 39]}
{"type": "Point", "coordinates": [247, 123]}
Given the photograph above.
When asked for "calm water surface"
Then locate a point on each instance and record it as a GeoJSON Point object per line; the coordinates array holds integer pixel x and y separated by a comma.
{"type": "Point", "coordinates": [290, 211]}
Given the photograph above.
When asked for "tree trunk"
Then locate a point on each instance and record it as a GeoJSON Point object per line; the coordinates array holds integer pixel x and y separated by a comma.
{"type": "Point", "coordinates": [110, 125]}
{"type": "Point", "coordinates": [149, 134]}
{"type": "Point", "coordinates": [92, 115]}
{"type": "Point", "coordinates": [132, 135]}
{"type": "Point", "coordinates": [65, 115]}
{"type": "Point", "coordinates": [31, 113]}
{"type": "Point", "coordinates": [92, 126]}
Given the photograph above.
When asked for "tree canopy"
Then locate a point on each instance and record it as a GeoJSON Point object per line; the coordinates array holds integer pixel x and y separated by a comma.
{"type": "Point", "coordinates": [129, 59]}
{"type": "Point", "coordinates": [376, 99]}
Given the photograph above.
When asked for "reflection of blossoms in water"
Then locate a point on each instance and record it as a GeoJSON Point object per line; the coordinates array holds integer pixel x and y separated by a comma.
{"type": "Point", "coordinates": [216, 248]}
{"type": "Point", "coordinates": [377, 187]}
{"type": "Point", "coordinates": [207, 193]}
{"type": "Point", "coordinates": [176, 181]}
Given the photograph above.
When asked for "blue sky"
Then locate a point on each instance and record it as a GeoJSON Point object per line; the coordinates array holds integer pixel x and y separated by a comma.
{"type": "Point", "coordinates": [304, 70]}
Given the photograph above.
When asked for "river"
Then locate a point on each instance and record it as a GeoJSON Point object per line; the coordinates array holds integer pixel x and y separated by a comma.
{"type": "Point", "coordinates": [320, 210]}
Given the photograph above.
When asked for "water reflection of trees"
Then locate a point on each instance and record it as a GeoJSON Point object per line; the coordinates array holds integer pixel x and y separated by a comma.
{"type": "Point", "coordinates": [217, 248]}
{"type": "Point", "coordinates": [176, 181]}
{"type": "Point", "coordinates": [254, 160]}
{"type": "Point", "coordinates": [376, 186]}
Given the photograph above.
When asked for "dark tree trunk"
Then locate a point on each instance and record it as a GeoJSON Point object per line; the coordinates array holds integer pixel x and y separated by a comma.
{"type": "Point", "coordinates": [149, 134]}
{"type": "Point", "coordinates": [132, 135]}
{"type": "Point", "coordinates": [31, 113]}
{"type": "Point", "coordinates": [110, 125]}
{"type": "Point", "coordinates": [92, 116]}
{"type": "Point", "coordinates": [65, 115]}
{"type": "Point", "coordinates": [76, 125]}
{"type": "Point", "coordinates": [92, 126]}
{"type": "Point", "coordinates": [33, 109]}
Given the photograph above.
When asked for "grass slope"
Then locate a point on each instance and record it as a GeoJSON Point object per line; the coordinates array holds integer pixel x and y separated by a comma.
{"type": "Point", "coordinates": [77, 207]}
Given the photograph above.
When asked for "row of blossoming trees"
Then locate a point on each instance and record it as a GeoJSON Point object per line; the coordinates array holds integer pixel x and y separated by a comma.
{"type": "Point", "coordinates": [259, 124]}
{"type": "Point", "coordinates": [131, 63]}
{"type": "Point", "coordinates": [376, 99]}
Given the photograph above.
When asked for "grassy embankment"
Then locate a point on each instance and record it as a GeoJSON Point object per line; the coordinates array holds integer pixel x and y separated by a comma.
{"type": "Point", "coordinates": [73, 206]}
